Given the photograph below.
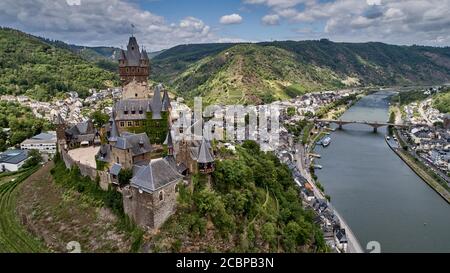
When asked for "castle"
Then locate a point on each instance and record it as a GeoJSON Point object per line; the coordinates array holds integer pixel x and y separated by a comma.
{"type": "Point", "coordinates": [138, 141]}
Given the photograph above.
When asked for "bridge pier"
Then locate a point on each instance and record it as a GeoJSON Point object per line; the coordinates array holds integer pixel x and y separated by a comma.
{"type": "Point", "coordinates": [340, 126]}
{"type": "Point", "coordinates": [375, 130]}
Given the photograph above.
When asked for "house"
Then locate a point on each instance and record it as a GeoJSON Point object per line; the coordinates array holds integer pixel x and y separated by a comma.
{"type": "Point", "coordinates": [131, 149]}
{"type": "Point", "coordinates": [341, 239]}
{"type": "Point", "coordinates": [44, 142]}
{"type": "Point", "coordinates": [12, 160]}
{"type": "Point", "coordinates": [82, 134]}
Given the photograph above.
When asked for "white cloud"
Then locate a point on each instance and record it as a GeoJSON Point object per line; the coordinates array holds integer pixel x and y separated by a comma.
{"type": "Point", "coordinates": [271, 19]}
{"type": "Point", "coordinates": [231, 19]}
{"type": "Point", "coordinates": [101, 22]}
{"type": "Point", "coordinates": [373, 2]}
{"type": "Point", "coordinates": [280, 3]}
{"type": "Point", "coordinates": [391, 21]}
{"type": "Point", "coordinates": [73, 2]}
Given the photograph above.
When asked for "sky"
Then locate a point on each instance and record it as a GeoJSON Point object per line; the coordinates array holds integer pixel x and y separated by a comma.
{"type": "Point", "coordinates": [161, 24]}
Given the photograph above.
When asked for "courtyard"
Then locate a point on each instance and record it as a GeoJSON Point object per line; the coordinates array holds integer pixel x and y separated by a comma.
{"type": "Point", "coordinates": [85, 155]}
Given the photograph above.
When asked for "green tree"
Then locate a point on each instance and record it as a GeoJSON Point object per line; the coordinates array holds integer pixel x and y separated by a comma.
{"type": "Point", "coordinates": [268, 233]}
{"type": "Point", "coordinates": [99, 118]}
{"type": "Point", "coordinates": [124, 176]}
{"type": "Point", "coordinates": [34, 159]}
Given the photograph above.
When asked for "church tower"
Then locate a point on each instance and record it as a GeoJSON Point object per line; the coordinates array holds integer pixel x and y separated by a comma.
{"type": "Point", "coordinates": [134, 64]}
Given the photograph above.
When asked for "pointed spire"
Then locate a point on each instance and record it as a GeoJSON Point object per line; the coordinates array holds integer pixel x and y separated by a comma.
{"type": "Point", "coordinates": [204, 155]}
{"type": "Point", "coordinates": [114, 134]}
{"type": "Point", "coordinates": [156, 102]}
{"type": "Point", "coordinates": [169, 142]}
{"type": "Point", "coordinates": [122, 55]}
{"type": "Point", "coordinates": [144, 55]}
{"type": "Point", "coordinates": [166, 101]}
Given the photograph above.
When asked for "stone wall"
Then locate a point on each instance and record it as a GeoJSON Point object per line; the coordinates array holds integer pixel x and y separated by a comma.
{"type": "Point", "coordinates": [85, 170]}
{"type": "Point", "coordinates": [146, 209]}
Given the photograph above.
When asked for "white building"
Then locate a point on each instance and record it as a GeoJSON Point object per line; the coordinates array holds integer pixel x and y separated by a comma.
{"type": "Point", "coordinates": [44, 142]}
{"type": "Point", "coordinates": [12, 160]}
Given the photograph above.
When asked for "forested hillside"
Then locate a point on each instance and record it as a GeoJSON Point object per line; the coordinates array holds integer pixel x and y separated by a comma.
{"type": "Point", "coordinates": [255, 73]}
{"type": "Point", "coordinates": [30, 66]}
{"type": "Point", "coordinates": [251, 205]}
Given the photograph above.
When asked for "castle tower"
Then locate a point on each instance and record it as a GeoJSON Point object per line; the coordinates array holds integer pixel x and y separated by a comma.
{"type": "Point", "coordinates": [134, 64]}
{"type": "Point", "coordinates": [60, 132]}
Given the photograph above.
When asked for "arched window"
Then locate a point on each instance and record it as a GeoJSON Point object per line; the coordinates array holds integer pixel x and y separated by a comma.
{"type": "Point", "coordinates": [161, 196]}
{"type": "Point", "coordinates": [118, 161]}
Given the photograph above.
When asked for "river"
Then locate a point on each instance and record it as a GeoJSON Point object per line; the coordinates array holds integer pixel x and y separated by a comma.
{"type": "Point", "coordinates": [379, 196]}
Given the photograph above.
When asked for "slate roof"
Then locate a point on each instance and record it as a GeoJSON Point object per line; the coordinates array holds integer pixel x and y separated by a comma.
{"type": "Point", "coordinates": [133, 55]}
{"type": "Point", "coordinates": [144, 55]}
{"type": "Point", "coordinates": [41, 138]}
{"type": "Point", "coordinates": [114, 132]}
{"type": "Point", "coordinates": [13, 156]}
{"type": "Point", "coordinates": [156, 102]}
{"type": "Point", "coordinates": [128, 106]}
{"type": "Point", "coordinates": [137, 143]}
{"type": "Point", "coordinates": [157, 174]}
{"type": "Point", "coordinates": [115, 169]}
{"type": "Point", "coordinates": [204, 154]}
{"type": "Point", "coordinates": [165, 101]}
{"type": "Point", "coordinates": [341, 236]}
{"type": "Point", "coordinates": [122, 55]}
{"type": "Point", "coordinates": [83, 128]}
{"type": "Point", "coordinates": [169, 140]}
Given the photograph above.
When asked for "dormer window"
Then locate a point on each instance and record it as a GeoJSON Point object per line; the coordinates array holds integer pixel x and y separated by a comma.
{"type": "Point", "coordinates": [141, 112]}
{"type": "Point", "coordinates": [125, 112]}
{"type": "Point", "coordinates": [133, 112]}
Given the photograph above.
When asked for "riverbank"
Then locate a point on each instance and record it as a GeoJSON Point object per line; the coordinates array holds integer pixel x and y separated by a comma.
{"type": "Point", "coordinates": [419, 170]}
{"type": "Point", "coordinates": [302, 159]}
{"type": "Point", "coordinates": [305, 162]}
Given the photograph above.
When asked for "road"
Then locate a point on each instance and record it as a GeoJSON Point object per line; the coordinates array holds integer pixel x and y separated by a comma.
{"type": "Point", "coordinates": [303, 166]}
{"type": "Point", "coordinates": [436, 170]}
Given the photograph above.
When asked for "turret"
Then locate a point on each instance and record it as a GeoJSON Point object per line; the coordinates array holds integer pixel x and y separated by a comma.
{"type": "Point", "coordinates": [166, 101]}
{"type": "Point", "coordinates": [169, 143]}
{"type": "Point", "coordinates": [205, 159]}
{"type": "Point", "coordinates": [114, 133]}
{"type": "Point", "coordinates": [156, 102]}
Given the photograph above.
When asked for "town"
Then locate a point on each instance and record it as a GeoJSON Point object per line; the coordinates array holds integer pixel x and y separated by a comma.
{"type": "Point", "coordinates": [139, 151]}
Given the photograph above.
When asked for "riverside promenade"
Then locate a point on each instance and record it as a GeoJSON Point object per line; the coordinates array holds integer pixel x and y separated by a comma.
{"type": "Point", "coordinates": [353, 245]}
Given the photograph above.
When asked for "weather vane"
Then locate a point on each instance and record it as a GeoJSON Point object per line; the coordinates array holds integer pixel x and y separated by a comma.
{"type": "Point", "coordinates": [132, 30]}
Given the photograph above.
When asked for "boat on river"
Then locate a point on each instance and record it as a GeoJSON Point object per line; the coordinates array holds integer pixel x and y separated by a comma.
{"type": "Point", "coordinates": [326, 141]}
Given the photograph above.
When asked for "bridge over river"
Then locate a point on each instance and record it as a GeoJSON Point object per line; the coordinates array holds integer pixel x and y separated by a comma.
{"type": "Point", "coordinates": [374, 124]}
